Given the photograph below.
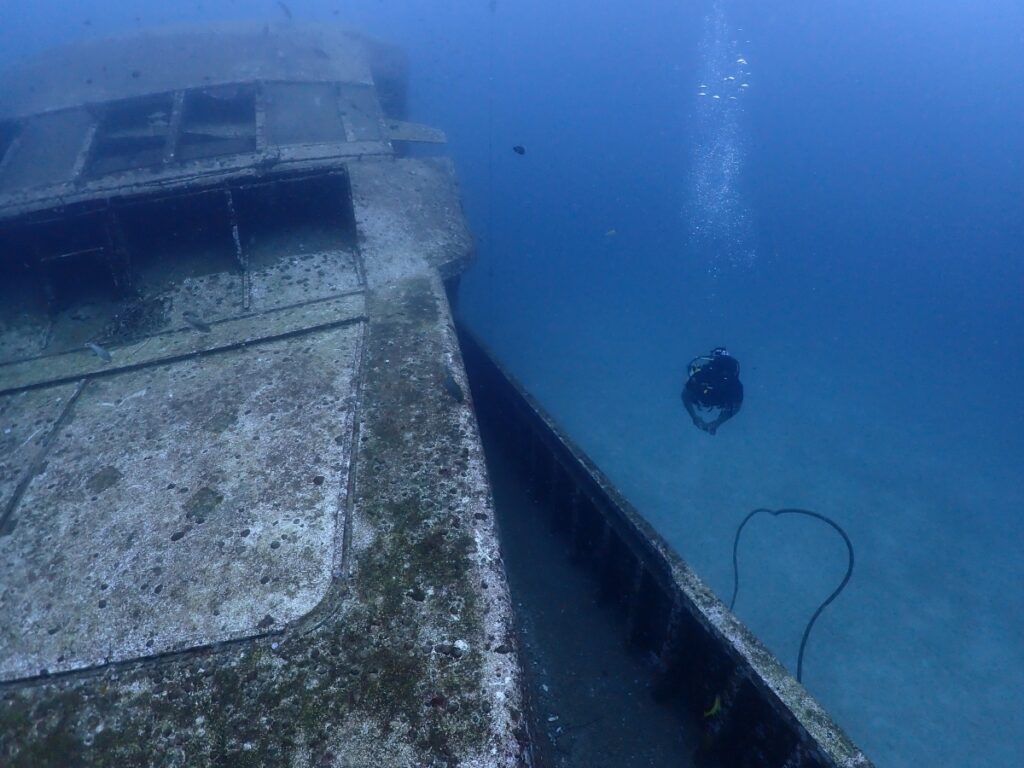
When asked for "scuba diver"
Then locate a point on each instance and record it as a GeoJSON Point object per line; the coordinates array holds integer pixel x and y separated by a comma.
{"type": "Point", "coordinates": [714, 382]}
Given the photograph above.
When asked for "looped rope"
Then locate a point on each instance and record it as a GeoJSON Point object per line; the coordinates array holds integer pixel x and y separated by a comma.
{"type": "Point", "coordinates": [829, 599]}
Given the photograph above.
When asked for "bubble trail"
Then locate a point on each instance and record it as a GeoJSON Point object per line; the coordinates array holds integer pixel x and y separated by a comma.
{"type": "Point", "coordinates": [721, 229]}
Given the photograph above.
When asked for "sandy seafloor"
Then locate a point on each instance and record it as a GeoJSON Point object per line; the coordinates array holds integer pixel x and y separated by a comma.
{"type": "Point", "coordinates": [921, 658]}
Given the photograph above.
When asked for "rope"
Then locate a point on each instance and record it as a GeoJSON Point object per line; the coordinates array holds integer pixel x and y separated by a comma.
{"type": "Point", "coordinates": [829, 599]}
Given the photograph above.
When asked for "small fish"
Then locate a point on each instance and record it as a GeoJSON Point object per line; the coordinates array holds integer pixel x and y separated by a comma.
{"type": "Point", "coordinates": [519, 149]}
{"type": "Point", "coordinates": [321, 53]}
{"type": "Point", "coordinates": [196, 321]}
{"type": "Point", "coordinates": [610, 233]}
{"type": "Point", "coordinates": [287, 11]}
{"type": "Point", "coordinates": [99, 351]}
{"type": "Point", "coordinates": [716, 707]}
{"type": "Point", "coordinates": [451, 386]}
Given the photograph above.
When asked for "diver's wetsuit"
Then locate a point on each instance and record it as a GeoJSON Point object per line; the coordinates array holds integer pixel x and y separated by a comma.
{"type": "Point", "coordinates": [714, 382]}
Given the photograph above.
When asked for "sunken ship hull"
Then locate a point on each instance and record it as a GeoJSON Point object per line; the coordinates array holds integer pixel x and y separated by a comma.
{"type": "Point", "coordinates": [245, 513]}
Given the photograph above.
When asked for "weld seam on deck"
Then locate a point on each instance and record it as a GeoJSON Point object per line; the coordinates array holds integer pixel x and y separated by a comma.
{"type": "Point", "coordinates": [176, 358]}
{"type": "Point", "coordinates": [91, 670]}
{"type": "Point", "coordinates": [342, 553]}
{"type": "Point", "coordinates": [39, 459]}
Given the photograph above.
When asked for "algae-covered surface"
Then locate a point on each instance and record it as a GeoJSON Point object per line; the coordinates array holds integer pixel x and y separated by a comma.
{"type": "Point", "coordinates": [269, 543]}
{"type": "Point", "coordinates": [404, 661]}
{"type": "Point", "coordinates": [181, 505]}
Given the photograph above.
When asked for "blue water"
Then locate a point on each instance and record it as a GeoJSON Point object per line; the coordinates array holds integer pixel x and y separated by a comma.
{"type": "Point", "coordinates": [850, 226]}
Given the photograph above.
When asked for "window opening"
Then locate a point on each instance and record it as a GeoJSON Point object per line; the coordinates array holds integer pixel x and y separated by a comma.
{"type": "Point", "coordinates": [292, 216]}
{"type": "Point", "coordinates": [132, 134]}
{"type": "Point", "coordinates": [218, 121]}
{"type": "Point", "coordinates": [303, 113]}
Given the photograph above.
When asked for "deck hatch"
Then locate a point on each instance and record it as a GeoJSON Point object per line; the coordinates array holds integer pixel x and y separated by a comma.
{"type": "Point", "coordinates": [178, 505]}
